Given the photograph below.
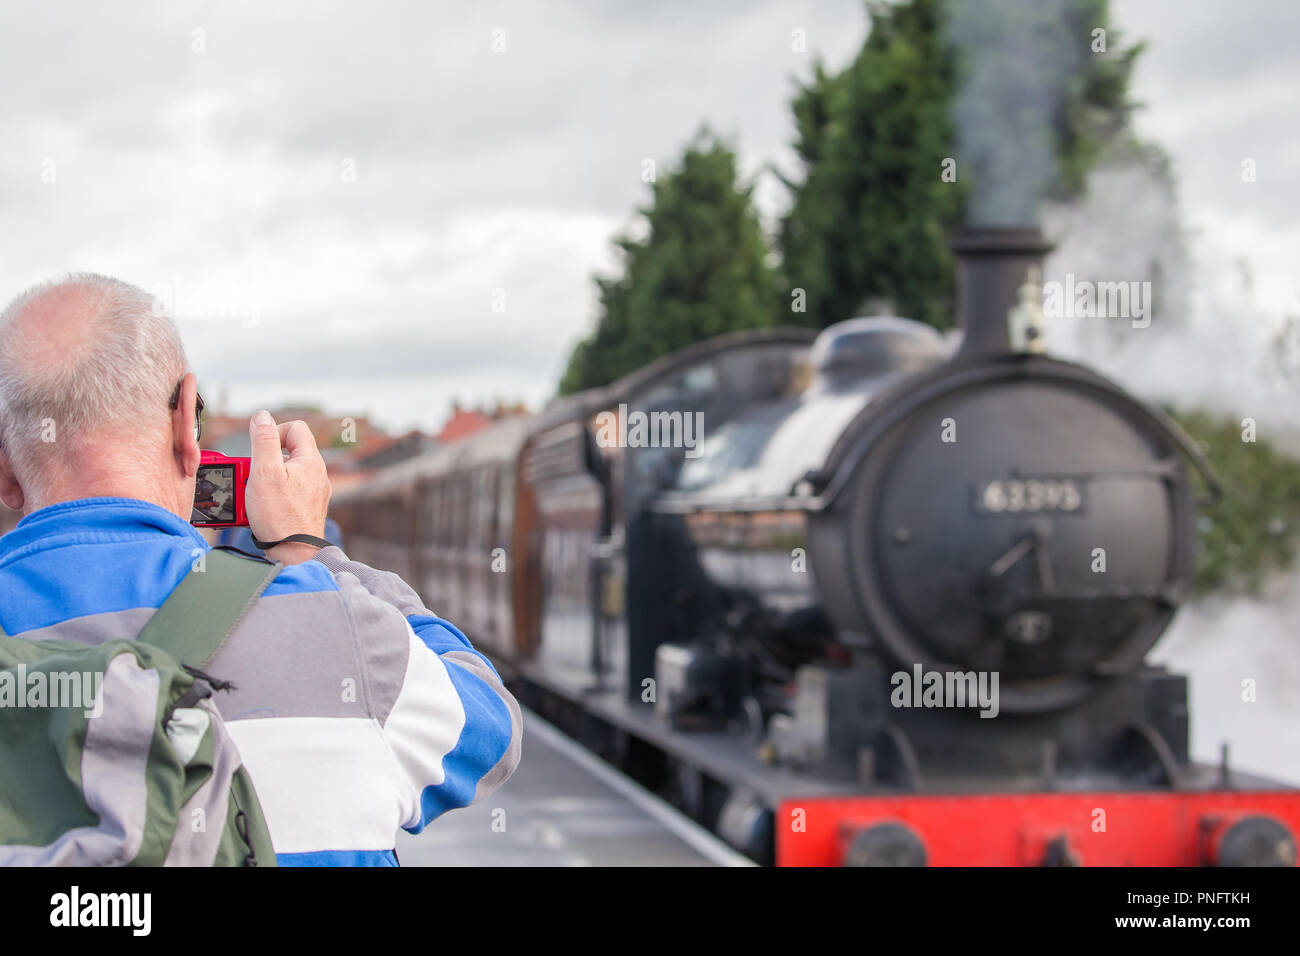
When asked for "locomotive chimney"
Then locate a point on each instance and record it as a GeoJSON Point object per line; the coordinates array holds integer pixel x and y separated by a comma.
{"type": "Point", "coordinates": [992, 266]}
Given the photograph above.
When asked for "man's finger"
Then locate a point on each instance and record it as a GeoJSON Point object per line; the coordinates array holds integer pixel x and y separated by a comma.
{"type": "Point", "coordinates": [265, 439]}
{"type": "Point", "coordinates": [298, 439]}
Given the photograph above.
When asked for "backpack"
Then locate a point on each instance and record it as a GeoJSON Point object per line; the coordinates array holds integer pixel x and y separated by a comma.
{"type": "Point", "coordinates": [113, 754]}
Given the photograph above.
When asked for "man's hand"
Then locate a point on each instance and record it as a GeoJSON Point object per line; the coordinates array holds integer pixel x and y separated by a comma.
{"type": "Point", "coordinates": [286, 496]}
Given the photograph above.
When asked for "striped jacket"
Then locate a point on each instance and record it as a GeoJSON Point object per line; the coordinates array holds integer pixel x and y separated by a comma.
{"type": "Point", "coordinates": [356, 709]}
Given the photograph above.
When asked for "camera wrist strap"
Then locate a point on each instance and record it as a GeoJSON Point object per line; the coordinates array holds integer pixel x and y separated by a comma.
{"type": "Point", "coordinates": [303, 538]}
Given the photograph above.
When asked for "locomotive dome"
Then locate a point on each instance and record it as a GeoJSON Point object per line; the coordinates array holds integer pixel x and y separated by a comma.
{"type": "Point", "coordinates": [846, 351]}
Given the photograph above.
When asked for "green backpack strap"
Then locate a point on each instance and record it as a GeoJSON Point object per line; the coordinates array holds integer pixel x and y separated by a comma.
{"type": "Point", "coordinates": [194, 622]}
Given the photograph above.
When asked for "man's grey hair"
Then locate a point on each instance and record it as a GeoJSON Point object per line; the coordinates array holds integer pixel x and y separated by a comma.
{"type": "Point", "coordinates": [117, 376]}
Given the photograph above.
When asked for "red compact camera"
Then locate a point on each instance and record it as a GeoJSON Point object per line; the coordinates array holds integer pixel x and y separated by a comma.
{"type": "Point", "coordinates": [219, 491]}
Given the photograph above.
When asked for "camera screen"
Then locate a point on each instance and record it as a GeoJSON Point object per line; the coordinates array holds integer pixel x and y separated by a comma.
{"type": "Point", "coordinates": [214, 495]}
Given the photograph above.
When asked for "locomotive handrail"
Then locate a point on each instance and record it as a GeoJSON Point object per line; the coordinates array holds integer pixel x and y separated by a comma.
{"type": "Point", "coordinates": [1189, 447]}
{"type": "Point", "coordinates": [1160, 749]}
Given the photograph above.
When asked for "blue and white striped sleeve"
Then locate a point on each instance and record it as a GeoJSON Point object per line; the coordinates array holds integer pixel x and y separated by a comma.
{"type": "Point", "coordinates": [454, 730]}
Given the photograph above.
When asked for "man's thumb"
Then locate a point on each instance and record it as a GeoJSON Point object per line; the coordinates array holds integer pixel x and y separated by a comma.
{"type": "Point", "coordinates": [264, 437]}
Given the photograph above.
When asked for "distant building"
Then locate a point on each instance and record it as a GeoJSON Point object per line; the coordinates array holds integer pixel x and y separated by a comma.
{"type": "Point", "coordinates": [410, 445]}
{"type": "Point", "coordinates": [466, 421]}
{"type": "Point", "coordinates": [352, 446]}
{"type": "Point", "coordinates": [463, 423]}
{"type": "Point", "coordinates": [342, 439]}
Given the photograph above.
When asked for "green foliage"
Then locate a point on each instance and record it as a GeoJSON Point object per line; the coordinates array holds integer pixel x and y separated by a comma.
{"type": "Point", "coordinates": [1255, 529]}
{"type": "Point", "coordinates": [1098, 107]}
{"type": "Point", "coordinates": [701, 270]}
{"type": "Point", "coordinates": [872, 215]}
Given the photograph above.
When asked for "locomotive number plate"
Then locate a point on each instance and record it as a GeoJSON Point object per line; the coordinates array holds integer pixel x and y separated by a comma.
{"type": "Point", "coordinates": [1029, 495]}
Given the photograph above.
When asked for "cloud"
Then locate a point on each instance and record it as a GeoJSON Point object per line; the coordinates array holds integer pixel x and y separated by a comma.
{"type": "Point", "coordinates": [477, 170]}
{"type": "Point", "coordinates": [223, 171]}
{"type": "Point", "coordinates": [1218, 84]}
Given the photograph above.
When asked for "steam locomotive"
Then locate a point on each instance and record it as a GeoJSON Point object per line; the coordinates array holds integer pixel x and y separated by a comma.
{"type": "Point", "coordinates": [891, 607]}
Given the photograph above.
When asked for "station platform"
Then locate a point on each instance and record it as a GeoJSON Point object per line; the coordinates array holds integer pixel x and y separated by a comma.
{"type": "Point", "coordinates": [565, 807]}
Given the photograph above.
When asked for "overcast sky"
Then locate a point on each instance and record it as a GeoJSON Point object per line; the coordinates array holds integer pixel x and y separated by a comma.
{"type": "Point", "coordinates": [360, 183]}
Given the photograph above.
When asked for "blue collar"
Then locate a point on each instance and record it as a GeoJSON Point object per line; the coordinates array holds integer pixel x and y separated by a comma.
{"type": "Point", "coordinates": [92, 520]}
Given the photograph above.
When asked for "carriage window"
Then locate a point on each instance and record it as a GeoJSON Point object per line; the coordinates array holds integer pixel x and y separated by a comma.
{"type": "Point", "coordinates": [701, 380]}
{"type": "Point", "coordinates": [443, 494]}
{"type": "Point", "coordinates": [488, 499]}
{"type": "Point", "coordinates": [468, 521]}
{"type": "Point", "coordinates": [506, 508]}
{"type": "Point", "coordinates": [692, 390]}
{"type": "Point", "coordinates": [448, 511]}
{"type": "Point", "coordinates": [474, 519]}
{"type": "Point", "coordinates": [481, 509]}
{"type": "Point", "coordinates": [427, 506]}
{"type": "Point", "coordinates": [439, 492]}
{"type": "Point", "coordinates": [440, 511]}
{"type": "Point", "coordinates": [457, 523]}
{"type": "Point", "coordinates": [672, 421]}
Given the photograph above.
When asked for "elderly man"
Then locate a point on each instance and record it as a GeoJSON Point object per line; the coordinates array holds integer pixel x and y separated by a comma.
{"type": "Point", "coordinates": [99, 445]}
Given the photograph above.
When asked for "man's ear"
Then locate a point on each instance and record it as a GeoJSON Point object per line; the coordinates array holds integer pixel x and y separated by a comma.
{"type": "Point", "coordinates": [185, 447]}
{"type": "Point", "coordinates": [11, 493]}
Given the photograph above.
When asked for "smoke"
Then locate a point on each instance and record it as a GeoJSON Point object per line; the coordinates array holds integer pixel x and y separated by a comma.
{"type": "Point", "coordinates": [1210, 345]}
{"type": "Point", "coordinates": [1016, 61]}
{"type": "Point", "coordinates": [1243, 660]}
